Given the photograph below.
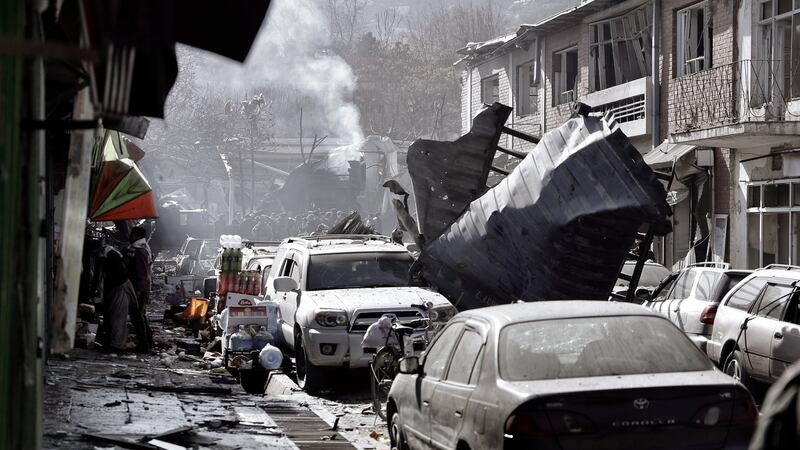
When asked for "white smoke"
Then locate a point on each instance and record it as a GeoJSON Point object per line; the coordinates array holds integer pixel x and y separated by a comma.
{"type": "Point", "coordinates": [291, 51]}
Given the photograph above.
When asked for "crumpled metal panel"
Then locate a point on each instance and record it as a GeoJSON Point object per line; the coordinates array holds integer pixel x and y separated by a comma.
{"type": "Point", "coordinates": [558, 227]}
{"type": "Point", "coordinates": [447, 176]}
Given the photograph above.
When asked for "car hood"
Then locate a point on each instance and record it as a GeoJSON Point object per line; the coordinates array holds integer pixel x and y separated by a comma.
{"type": "Point", "coordinates": [531, 389]}
{"type": "Point", "coordinates": [369, 298]}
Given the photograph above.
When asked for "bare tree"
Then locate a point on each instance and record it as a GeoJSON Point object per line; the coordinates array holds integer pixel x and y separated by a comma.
{"type": "Point", "coordinates": [346, 19]}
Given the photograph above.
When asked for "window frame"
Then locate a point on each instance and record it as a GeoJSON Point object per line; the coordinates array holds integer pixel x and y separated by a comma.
{"type": "Point", "coordinates": [559, 77]}
{"type": "Point", "coordinates": [495, 79]}
{"type": "Point", "coordinates": [731, 294]}
{"type": "Point", "coordinates": [773, 73]}
{"type": "Point", "coordinates": [424, 362]}
{"type": "Point", "coordinates": [629, 35]}
{"type": "Point", "coordinates": [525, 105]}
{"type": "Point", "coordinates": [756, 307]}
{"type": "Point", "coordinates": [475, 363]}
{"type": "Point", "coordinates": [703, 62]}
{"type": "Point", "coordinates": [756, 210]}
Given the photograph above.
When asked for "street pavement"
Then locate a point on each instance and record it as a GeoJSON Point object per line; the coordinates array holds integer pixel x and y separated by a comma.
{"type": "Point", "coordinates": [134, 398]}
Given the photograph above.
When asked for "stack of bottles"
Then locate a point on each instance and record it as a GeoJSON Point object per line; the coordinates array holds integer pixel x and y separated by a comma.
{"type": "Point", "coordinates": [250, 337]}
{"type": "Point", "coordinates": [231, 277]}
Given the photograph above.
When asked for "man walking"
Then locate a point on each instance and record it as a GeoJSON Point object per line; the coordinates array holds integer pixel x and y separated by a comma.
{"type": "Point", "coordinates": [138, 261]}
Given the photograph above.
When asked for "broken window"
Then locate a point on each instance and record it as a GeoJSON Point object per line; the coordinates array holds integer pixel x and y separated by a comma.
{"type": "Point", "coordinates": [490, 90]}
{"type": "Point", "coordinates": [779, 51]}
{"type": "Point", "coordinates": [693, 39]}
{"type": "Point", "coordinates": [528, 88]}
{"type": "Point", "coordinates": [565, 75]}
{"type": "Point", "coordinates": [620, 49]}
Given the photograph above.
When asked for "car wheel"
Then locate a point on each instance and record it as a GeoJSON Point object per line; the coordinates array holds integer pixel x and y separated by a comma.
{"type": "Point", "coordinates": [396, 436]}
{"type": "Point", "coordinates": [734, 367]}
{"type": "Point", "coordinates": [309, 376]}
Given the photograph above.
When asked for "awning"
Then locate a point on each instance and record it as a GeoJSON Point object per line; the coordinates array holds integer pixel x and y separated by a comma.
{"type": "Point", "coordinates": [666, 154]}
{"type": "Point", "coordinates": [119, 190]}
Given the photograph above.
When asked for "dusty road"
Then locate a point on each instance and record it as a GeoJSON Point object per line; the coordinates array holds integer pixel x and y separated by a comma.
{"type": "Point", "coordinates": [132, 398]}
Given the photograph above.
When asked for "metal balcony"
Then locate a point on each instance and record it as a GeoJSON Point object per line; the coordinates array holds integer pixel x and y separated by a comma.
{"type": "Point", "coordinates": [748, 103]}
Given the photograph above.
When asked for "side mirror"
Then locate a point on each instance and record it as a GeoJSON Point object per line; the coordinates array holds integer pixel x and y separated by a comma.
{"type": "Point", "coordinates": [643, 294]}
{"type": "Point", "coordinates": [285, 284]}
{"type": "Point", "coordinates": [409, 365]}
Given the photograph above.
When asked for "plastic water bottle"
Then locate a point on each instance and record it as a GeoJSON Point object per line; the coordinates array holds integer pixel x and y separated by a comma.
{"type": "Point", "coordinates": [270, 357]}
{"type": "Point", "coordinates": [241, 340]}
{"type": "Point", "coordinates": [262, 338]}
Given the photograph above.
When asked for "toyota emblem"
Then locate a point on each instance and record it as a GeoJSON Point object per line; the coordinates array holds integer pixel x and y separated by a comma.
{"type": "Point", "coordinates": [641, 403]}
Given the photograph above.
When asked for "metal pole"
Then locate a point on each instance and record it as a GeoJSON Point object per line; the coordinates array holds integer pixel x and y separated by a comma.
{"type": "Point", "coordinates": [655, 67]}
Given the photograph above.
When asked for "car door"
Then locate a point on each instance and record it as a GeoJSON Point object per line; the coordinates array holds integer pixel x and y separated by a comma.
{"type": "Point", "coordinates": [759, 334]}
{"type": "Point", "coordinates": [683, 289]}
{"type": "Point", "coordinates": [287, 301]}
{"type": "Point", "coordinates": [656, 303]}
{"type": "Point", "coordinates": [786, 339]}
{"type": "Point", "coordinates": [415, 412]}
{"type": "Point", "coordinates": [450, 399]}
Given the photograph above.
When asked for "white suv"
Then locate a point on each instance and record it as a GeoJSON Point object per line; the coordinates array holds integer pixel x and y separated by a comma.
{"type": "Point", "coordinates": [756, 333]}
{"type": "Point", "coordinates": [330, 289]}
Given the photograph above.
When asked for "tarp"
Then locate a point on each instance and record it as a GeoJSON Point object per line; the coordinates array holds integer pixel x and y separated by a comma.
{"type": "Point", "coordinates": [558, 227]}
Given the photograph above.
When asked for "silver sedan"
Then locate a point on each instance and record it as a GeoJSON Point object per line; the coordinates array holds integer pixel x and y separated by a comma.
{"type": "Point", "coordinates": [566, 375]}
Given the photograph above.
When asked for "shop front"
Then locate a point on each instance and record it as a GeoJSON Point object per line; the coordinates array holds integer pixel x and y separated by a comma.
{"type": "Point", "coordinates": [770, 187]}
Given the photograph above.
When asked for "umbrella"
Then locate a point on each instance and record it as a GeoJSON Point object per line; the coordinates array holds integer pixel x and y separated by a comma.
{"type": "Point", "coordinates": [119, 189]}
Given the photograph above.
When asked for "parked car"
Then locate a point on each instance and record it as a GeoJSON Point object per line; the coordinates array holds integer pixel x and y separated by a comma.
{"type": "Point", "coordinates": [690, 298]}
{"type": "Point", "coordinates": [195, 257]}
{"type": "Point", "coordinates": [566, 375]}
{"type": "Point", "coordinates": [330, 289]}
{"type": "Point", "coordinates": [756, 334]}
{"type": "Point", "coordinates": [652, 275]}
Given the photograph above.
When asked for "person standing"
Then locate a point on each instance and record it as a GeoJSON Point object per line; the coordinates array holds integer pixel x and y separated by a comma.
{"type": "Point", "coordinates": [138, 261]}
{"type": "Point", "coordinates": [118, 295]}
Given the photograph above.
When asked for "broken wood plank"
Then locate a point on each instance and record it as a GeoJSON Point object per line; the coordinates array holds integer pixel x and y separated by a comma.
{"type": "Point", "coordinates": [520, 135]}
{"type": "Point", "coordinates": [513, 153]}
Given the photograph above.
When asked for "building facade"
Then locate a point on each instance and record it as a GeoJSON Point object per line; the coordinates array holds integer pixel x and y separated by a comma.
{"type": "Point", "coordinates": [704, 89]}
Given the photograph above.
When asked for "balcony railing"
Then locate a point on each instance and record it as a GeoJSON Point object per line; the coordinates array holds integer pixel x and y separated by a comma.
{"type": "Point", "coordinates": [628, 102]}
{"type": "Point", "coordinates": [743, 91]}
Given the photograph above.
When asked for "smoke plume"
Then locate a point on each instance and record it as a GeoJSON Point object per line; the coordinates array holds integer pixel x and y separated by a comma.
{"type": "Point", "coordinates": [291, 51]}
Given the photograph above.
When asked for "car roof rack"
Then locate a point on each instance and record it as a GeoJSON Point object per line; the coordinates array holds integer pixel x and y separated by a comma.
{"type": "Point", "coordinates": [780, 266]}
{"type": "Point", "coordinates": [310, 241]}
{"type": "Point", "coordinates": [716, 265]}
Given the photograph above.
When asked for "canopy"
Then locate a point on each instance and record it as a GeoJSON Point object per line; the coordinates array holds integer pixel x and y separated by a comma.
{"type": "Point", "coordinates": [666, 154]}
{"type": "Point", "coordinates": [119, 189]}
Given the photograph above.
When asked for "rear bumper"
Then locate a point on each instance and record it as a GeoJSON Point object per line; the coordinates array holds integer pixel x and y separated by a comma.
{"type": "Point", "coordinates": [700, 341]}
{"type": "Point", "coordinates": [713, 350]}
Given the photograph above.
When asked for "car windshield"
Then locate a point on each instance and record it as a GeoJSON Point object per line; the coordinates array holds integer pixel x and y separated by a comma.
{"type": "Point", "coordinates": [210, 250]}
{"type": "Point", "coordinates": [652, 274]}
{"type": "Point", "coordinates": [595, 346]}
{"type": "Point", "coordinates": [358, 270]}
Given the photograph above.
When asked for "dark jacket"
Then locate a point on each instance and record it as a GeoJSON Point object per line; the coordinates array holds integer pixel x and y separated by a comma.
{"type": "Point", "coordinates": [138, 261]}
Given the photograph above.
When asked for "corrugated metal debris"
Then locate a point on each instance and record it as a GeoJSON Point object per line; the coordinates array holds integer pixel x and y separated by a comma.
{"type": "Point", "coordinates": [558, 227]}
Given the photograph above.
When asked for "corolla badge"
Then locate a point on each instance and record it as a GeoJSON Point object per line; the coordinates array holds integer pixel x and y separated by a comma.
{"type": "Point", "coordinates": [641, 403]}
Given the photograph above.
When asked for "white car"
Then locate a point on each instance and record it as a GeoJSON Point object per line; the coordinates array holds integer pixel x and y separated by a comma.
{"type": "Point", "coordinates": [756, 333]}
{"type": "Point", "coordinates": [690, 297]}
{"type": "Point", "coordinates": [330, 289]}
